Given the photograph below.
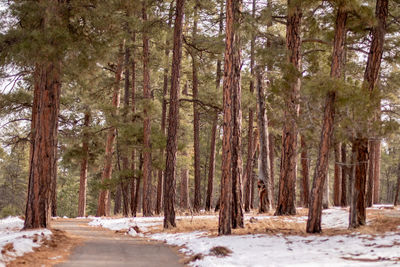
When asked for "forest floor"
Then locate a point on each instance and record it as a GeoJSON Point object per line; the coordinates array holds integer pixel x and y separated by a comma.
{"type": "Point", "coordinates": [265, 240]}
{"type": "Point", "coordinates": [275, 241]}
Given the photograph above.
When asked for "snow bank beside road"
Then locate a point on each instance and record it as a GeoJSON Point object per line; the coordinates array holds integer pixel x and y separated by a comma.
{"type": "Point", "coordinates": [14, 242]}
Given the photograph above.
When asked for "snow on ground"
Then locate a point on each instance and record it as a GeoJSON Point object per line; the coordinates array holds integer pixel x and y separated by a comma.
{"type": "Point", "coordinates": [22, 241]}
{"type": "Point", "coordinates": [274, 250]}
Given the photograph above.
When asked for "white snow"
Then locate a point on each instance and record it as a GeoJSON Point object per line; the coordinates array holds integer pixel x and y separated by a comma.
{"type": "Point", "coordinates": [274, 250]}
{"type": "Point", "coordinates": [23, 241]}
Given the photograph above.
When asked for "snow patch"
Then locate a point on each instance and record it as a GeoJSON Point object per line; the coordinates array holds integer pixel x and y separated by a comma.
{"type": "Point", "coordinates": [22, 241]}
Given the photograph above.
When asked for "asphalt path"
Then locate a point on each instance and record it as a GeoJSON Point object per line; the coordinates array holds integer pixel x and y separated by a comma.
{"type": "Point", "coordinates": [102, 247]}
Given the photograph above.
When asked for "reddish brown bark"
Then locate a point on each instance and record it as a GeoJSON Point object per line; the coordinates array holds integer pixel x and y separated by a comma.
{"type": "Point", "coordinates": [173, 120]}
{"type": "Point", "coordinates": [231, 213]}
{"type": "Point", "coordinates": [357, 210]}
{"type": "Point", "coordinates": [184, 194]}
{"type": "Point", "coordinates": [287, 181]}
{"type": "Point", "coordinates": [247, 177]}
{"type": "Point", "coordinates": [102, 209]}
{"type": "Point", "coordinates": [211, 170]}
{"type": "Point", "coordinates": [338, 176]}
{"type": "Point", "coordinates": [125, 180]}
{"type": "Point", "coordinates": [196, 122]}
{"type": "Point", "coordinates": [377, 170]}
{"type": "Point", "coordinates": [84, 167]}
{"type": "Point", "coordinates": [370, 181]}
{"type": "Point", "coordinates": [321, 169]}
{"type": "Point", "coordinates": [357, 205]}
{"type": "Point", "coordinates": [135, 181]}
{"type": "Point", "coordinates": [146, 196]}
{"type": "Point", "coordinates": [43, 156]}
{"type": "Point", "coordinates": [345, 175]}
{"type": "Point", "coordinates": [164, 114]}
{"type": "Point", "coordinates": [305, 184]}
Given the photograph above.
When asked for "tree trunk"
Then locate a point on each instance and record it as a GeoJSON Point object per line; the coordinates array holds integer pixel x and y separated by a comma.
{"type": "Point", "coordinates": [134, 180]}
{"type": "Point", "coordinates": [256, 150]}
{"type": "Point", "coordinates": [196, 121]}
{"type": "Point", "coordinates": [84, 167]}
{"type": "Point", "coordinates": [377, 170]}
{"type": "Point", "coordinates": [102, 209]}
{"type": "Point", "coordinates": [146, 201]}
{"type": "Point", "coordinates": [173, 120]}
{"type": "Point", "coordinates": [271, 149]}
{"type": "Point", "coordinates": [124, 153]}
{"type": "Point", "coordinates": [231, 213]}
{"type": "Point", "coordinates": [164, 114]}
{"type": "Point", "coordinates": [338, 176]}
{"type": "Point", "coordinates": [250, 145]}
{"type": "Point", "coordinates": [343, 201]}
{"type": "Point", "coordinates": [211, 171]}
{"type": "Point", "coordinates": [357, 206]}
{"type": "Point", "coordinates": [264, 179]}
{"type": "Point", "coordinates": [117, 200]}
{"type": "Point", "coordinates": [321, 169]}
{"type": "Point", "coordinates": [357, 210]}
{"type": "Point", "coordinates": [325, 197]}
{"type": "Point", "coordinates": [305, 194]}
{"type": "Point", "coordinates": [43, 156]}
{"type": "Point", "coordinates": [287, 181]}
{"type": "Point", "coordinates": [396, 197]}
{"type": "Point", "coordinates": [184, 201]}
{"type": "Point", "coordinates": [370, 184]}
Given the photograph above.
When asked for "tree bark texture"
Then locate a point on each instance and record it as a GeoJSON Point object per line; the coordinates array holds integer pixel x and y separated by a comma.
{"type": "Point", "coordinates": [370, 181]}
{"type": "Point", "coordinates": [345, 175]}
{"type": "Point", "coordinates": [250, 146]}
{"type": "Point", "coordinates": [305, 163]}
{"type": "Point", "coordinates": [135, 181]}
{"type": "Point", "coordinates": [107, 170]}
{"type": "Point", "coordinates": [84, 167]}
{"type": "Point", "coordinates": [321, 169]}
{"type": "Point", "coordinates": [173, 120]}
{"type": "Point", "coordinates": [43, 150]}
{"type": "Point", "coordinates": [146, 197]}
{"type": "Point", "coordinates": [371, 78]}
{"type": "Point", "coordinates": [231, 213]}
{"type": "Point", "coordinates": [264, 179]}
{"type": "Point", "coordinates": [358, 207]}
{"type": "Point", "coordinates": [337, 176]}
{"type": "Point", "coordinates": [164, 115]}
{"type": "Point", "coordinates": [287, 181]}
{"type": "Point", "coordinates": [184, 200]}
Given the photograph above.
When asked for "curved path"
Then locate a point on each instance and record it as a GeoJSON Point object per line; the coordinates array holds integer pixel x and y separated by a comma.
{"type": "Point", "coordinates": [105, 248]}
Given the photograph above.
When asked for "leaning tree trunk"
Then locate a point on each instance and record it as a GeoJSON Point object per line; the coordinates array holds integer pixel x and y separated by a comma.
{"type": "Point", "coordinates": [305, 194]}
{"type": "Point", "coordinates": [287, 181]}
{"type": "Point", "coordinates": [43, 156]}
{"type": "Point", "coordinates": [321, 169]}
{"type": "Point", "coordinates": [173, 120]}
{"type": "Point", "coordinates": [103, 200]}
{"type": "Point", "coordinates": [357, 210]}
{"type": "Point", "coordinates": [84, 167]}
{"type": "Point", "coordinates": [146, 199]}
{"type": "Point", "coordinates": [264, 179]}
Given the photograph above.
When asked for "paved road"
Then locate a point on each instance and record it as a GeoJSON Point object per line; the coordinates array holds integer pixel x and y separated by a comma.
{"type": "Point", "coordinates": [105, 248]}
